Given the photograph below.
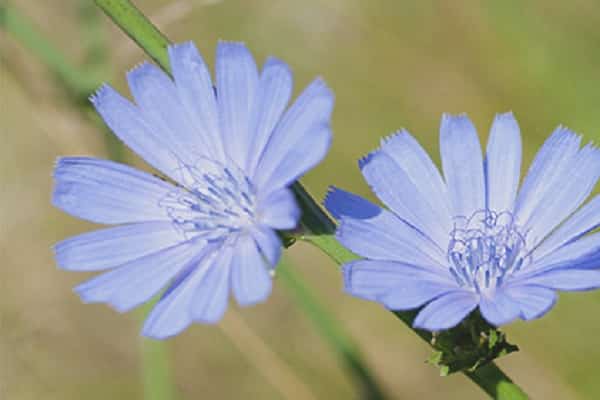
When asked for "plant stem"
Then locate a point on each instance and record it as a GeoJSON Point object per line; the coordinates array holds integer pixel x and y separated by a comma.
{"type": "Point", "coordinates": [135, 24]}
{"type": "Point", "coordinates": [491, 379]}
{"type": "Point", "coordinates": [331, 331]}
{"type": "Point", "coordinates": [157, 382]}
{"type": "Point", "coordinates": [320, 227]}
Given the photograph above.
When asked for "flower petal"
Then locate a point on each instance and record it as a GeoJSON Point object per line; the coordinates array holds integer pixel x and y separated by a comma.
{"type": "Point", "coordinates": [565, 194]}
{"type": "Point", "coordinates": [551, 163]}
{"type": "Point", "coordinates": [416, 163]}
{"type": "Point", "coordinates": [370, 279]}
{"type": "Point", "coordinates": [534, 301]}
{"type": "Point", "coordinates": [273, 94]}
{"type": "Point", "coordinates": [566, 279]}
{"type": "Point", "coordinates": [126, 121]}
{"type": "Point", "coordinates": [446, 311]}
{"type": "Point", "coordinates": [137, 281]}
{"type": "Point", "coordinates": [463, 165]}
{"type": "Point", "coordinates": [580, 223]}
{"type": "Point", "coordinates": [176, 310]}
{"type": "Point", "coordinates": [211, 299]}
{"type": "Point", "coordinates": [107, 192]}
{"type": "Point", "coordinates": [197, 95]}
{"type": "Point", "coordinates": [268, 243]}
{"type": "Point", "coordinates": [108, 248]}
{"type": "Point", "coordinates": [397, 191]}
{"type": "Point", "coordinates": [300, 139]}
{"type": "Point", "coordinates": [340, 204]}
{"type": "Point", "coordinates": [499, 309]}
{"type": "Point", "coordinates": [279, 210]}
{"type": "Point", "coordinates": [572, 254]}
{"type": "Point", "coordinates": [503, 163]}
{"type": "Point", "coordinates": [250, 279]}
{"type": "Point", "coordinates": [237, 80]}
{"type": "Point", "coordinates": [413, 293]}
{"type": "Point", "coordinates": [387, 237]}
{"type": "Point", "coordinates": [157, 98]}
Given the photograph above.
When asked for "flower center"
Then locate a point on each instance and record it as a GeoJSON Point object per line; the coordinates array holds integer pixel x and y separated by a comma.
{"type": "Point", "coordinates": [214, 201]}
{"type": "Point", "coordinates": [485, 249]}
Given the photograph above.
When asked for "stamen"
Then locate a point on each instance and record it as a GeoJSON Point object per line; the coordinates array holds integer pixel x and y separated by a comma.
{"type": "Point", "coordinates": [215, 201]}
{"type": "Point", "coordinates": [485, 249]}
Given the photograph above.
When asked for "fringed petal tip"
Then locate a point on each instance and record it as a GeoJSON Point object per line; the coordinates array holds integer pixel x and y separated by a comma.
{"type": "Point", "coordinates": [100, 93]}
{"type": "Point", "coordinates": [366, 159]}
{"type": "Point", "coordinates": [139, 68]}
{"type": "Point", "coordinates": [386, 139]}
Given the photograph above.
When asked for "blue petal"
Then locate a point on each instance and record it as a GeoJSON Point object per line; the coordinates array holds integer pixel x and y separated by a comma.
{"type": "Point", "coordinates": [279, 210]}
{"type": "Point", "coordinates": [581, 222]}
{"type": "Point", "coordinates": [137, 281]}
{"type": "Point", "coordinates": [386, 237]}
{"type": "Point", "coordinates": [503, 163]}
{"type": "Point", "coordinates": [301, 157]}
{"type": "Point", "coordinates": [397, 191]}
{"type": "Point", "coordinates": [446, 311]}
{"type": "Point", "coordinates": [572, 254]}
{"type": "Point", "coordinates": [416, 163]}
{"type": "Point", "coordinates": [176, 311]}
{"type": "Point", "coordinates": [212, 295]}
{"type": "Point", "coordinates": [127, 122]}
{"type": "Point", "coordinates": [533, 301]}
{"type": "Point", "coordinates": [499, 309]}
{"type": "Point", "coordinates": [551, 163]}
{"type": "Point", "coordinates": [566, 279]}
{"type": "Point", "coordinates": [273, 94]}
{"type": "Point", "coordinates": [250, 279]}
{"type": "Point", "coordinates": [108, 248]}
{"type": "Point", "coordinates": [237, 80]}
{"type": "Point", "coordinates": [463, 165]}
{"type": "Point", "coordinates": [107, 192]}
{"type": "Point", "coordinates": [158, 100]}
{"type": "Point", "coordinates": [370, 279]}
{"type": "Point", "coordinates": [195, 89]}
{"type": "Point", "coordinates": [340, 204]}
{"type": "Point", "coordinates": [300, 139]}
{"type": "Point", "coordinates": [268, 243]}
{"type": "Point", "coordinates": [565, 194]}
{"type": "Point", "coordinates": [413, 293]}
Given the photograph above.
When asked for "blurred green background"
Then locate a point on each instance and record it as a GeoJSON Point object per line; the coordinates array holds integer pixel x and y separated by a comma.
{"type": "Point", "coordinates": [392, 64]}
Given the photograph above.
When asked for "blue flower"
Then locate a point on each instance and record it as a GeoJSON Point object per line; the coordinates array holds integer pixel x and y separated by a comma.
{"type": "Point", "coordinates": [473, 238]}
{"type": "Point", "coordinates": [228, 152]}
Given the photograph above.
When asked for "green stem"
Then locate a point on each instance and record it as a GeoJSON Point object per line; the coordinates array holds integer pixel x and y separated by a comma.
{"type": "Point", "coordinates": [138, 28]}
{"type": "Point", "coordinates": [156, 372]}
{"type": "Point", "coordinates": [492, 380]}
{"type": "Point", "coordinates": [79, 83]}
{"type": "Point", "coordinates": [331, 331]}
{"type": "Point", "coordinates": [314, 219]}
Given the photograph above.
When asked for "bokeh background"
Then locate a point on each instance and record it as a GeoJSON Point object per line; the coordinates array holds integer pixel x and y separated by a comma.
{"type": "Point", "coordinates": [392, 64]}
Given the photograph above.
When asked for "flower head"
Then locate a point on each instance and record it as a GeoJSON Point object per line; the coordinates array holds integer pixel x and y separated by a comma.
{"type": "Point", "coordinates": [473, 238]}
{"type": "Point", "coordinates": [228, 153]}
